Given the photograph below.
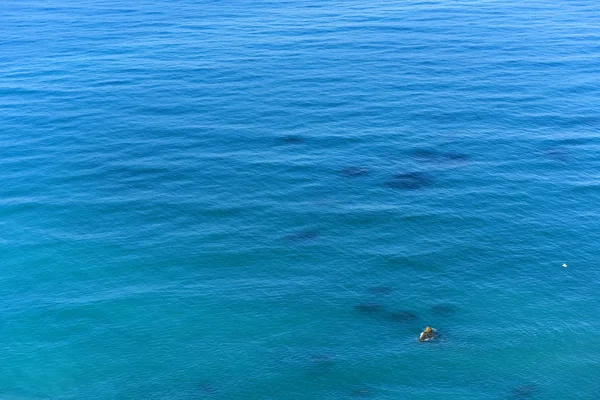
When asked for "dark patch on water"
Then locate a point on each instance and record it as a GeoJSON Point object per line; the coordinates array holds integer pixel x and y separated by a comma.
{"type": "Point", "coordinates": [409, 181]}
{"type": "Point", "coordinates": [557, 154]}
{"type": "Point", "coordinates": [354, 172]}
{"type": "Point", "coordinates": [302, 236]}
{"type": "Point", "coordinates": [320, 364]}
{"type": "Point", "coordinates": [362, 392]}
{"type": "Point", "coordinates": [403, 316]}
{"type": "Point", "coordinates": [427, 154]}
{"type": "Point", "coordinates": [444, 309]}
{"type": "Point", "coordinates": [205, 390]}
{"type": "Point", "coordinates": [322, 359]}
{"type": "Point", "coordinates": [381, 290]}
{"type": "Point", "coordinates": [524, 391]}
{"type": "Point", "coordinates": [292, 140]}
{"type": "Point", "coordinates": [456, 157]}
{"type": "Point", "coordinates": [369, 308]}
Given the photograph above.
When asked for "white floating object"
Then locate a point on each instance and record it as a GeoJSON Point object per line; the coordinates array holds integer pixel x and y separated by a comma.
{"type": "Point", "coordinates": [564, 265]}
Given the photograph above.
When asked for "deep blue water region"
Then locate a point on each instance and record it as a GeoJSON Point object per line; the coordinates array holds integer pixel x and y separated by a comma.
{"type": "Point", "coordinates": [272, 199]}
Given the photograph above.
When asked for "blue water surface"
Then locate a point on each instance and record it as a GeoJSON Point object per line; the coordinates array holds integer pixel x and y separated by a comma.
{"type": "Point", "coordinates": [272, 199]}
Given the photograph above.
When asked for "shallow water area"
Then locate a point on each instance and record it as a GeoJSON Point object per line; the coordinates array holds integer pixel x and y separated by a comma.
{"type": "Point", "coordinates": [271, 200]}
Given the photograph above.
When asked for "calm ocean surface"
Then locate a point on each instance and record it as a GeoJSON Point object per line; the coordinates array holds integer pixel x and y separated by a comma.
{"type": "Point", "coordinates": [272, 199]}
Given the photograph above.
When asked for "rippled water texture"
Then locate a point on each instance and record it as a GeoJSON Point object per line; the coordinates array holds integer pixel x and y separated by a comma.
{"type": "Point", "coordinates": [271, 200]}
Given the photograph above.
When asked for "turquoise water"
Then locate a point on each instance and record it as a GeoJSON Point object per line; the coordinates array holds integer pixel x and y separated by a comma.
{"type": "Point", "coordinates": [271, 200]}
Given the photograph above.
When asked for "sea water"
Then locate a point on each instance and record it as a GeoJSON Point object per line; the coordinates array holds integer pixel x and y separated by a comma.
{"type": "Point", "coordinates": [272, 199]}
